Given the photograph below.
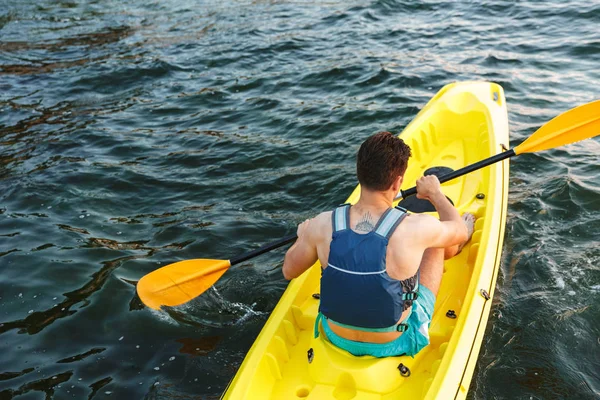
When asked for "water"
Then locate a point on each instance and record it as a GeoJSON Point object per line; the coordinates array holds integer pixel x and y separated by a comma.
{"type": "Point", "coordinates": [136, 134]}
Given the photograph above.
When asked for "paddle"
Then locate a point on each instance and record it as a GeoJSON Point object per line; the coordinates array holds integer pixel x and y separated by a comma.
{"type": "Point", "coordinates": [183, 281]}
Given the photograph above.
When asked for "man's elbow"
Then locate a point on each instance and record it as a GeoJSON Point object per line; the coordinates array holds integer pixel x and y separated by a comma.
{"type": "Point", "coordinates": [287, 275]}
{"type": "Point", "coordinates": [287, 271]}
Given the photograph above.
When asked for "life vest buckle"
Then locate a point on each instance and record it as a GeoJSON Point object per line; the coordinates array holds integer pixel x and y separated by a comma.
{"type": "Point", "coordinates": [410, 296]}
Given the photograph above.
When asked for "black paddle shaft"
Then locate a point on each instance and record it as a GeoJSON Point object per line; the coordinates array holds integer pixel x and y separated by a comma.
{"type": "Point", "coordinates": [465, 170]}
{"type": "Point", "coordinates": [264, 249]}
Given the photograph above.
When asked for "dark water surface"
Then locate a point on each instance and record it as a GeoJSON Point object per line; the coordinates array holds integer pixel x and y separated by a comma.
{"type": "Point", "coordinates": [136, 134]}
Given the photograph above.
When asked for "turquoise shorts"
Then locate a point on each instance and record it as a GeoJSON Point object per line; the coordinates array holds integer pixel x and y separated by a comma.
{"type": "Point", "coordinates": [409, 343]}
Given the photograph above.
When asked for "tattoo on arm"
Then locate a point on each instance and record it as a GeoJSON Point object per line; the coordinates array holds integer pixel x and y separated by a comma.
{"type": "Point", "coordinates": [366, 223]}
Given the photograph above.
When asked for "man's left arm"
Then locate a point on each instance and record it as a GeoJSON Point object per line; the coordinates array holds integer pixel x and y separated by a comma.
{"type": "Point", "coordinates": [303, 254]}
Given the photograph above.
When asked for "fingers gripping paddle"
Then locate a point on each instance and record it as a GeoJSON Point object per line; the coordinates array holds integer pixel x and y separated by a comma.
{"type": "Point", "coordinates": [181, 282]}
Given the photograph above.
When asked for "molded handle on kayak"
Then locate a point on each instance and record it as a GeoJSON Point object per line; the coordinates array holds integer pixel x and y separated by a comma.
{"type": "Point", "coordinates": [463, 171]}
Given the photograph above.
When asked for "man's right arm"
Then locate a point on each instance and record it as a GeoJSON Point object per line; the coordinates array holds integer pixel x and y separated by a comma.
{"type": "Point", "coordinates": [450, 229]}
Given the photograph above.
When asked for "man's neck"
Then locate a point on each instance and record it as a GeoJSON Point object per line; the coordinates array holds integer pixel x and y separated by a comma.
{"type": "Point", "coordinates": [374, 200]}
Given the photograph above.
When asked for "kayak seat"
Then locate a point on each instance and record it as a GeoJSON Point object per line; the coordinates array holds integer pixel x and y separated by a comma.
{"type": "Point", "coordinates": [415, 205]}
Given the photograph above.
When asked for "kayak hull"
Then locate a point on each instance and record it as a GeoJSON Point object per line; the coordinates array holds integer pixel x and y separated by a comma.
{"type": "Point", "coordinates": [463, 123]}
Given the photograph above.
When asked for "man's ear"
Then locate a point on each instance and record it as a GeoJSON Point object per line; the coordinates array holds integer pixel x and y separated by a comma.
{"type": "Point", "coordinates": [397, 183]}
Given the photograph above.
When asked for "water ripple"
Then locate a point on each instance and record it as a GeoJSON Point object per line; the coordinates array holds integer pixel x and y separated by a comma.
{"type": "Point", "coordinates": [136, 135]}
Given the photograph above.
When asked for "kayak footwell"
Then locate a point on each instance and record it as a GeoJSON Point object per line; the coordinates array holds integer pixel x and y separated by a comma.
{"type": "Point", "coordinates": [329, 369]}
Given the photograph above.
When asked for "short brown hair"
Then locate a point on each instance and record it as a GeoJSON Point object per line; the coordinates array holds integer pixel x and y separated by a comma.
{"type": "Point", "coordinates": [381, 159]}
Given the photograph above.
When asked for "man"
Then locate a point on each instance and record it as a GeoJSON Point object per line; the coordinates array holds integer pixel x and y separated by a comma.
{"type": "Point", "coordinates": [381, 267]}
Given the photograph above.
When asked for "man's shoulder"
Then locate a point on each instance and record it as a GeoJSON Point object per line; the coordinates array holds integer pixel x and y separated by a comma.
{"type": "Point", "coordinates": [323, 219]}
{"type": "Point", "coordinates": [415, 224]}
{"type": "Point", "coordinates": [320, 228]}
{"type": "Point", "coordinates": [420, 219]}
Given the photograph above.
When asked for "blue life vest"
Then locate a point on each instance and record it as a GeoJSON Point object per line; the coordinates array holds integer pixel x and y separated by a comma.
{"type": "Point", "coordinates": [356, 290]}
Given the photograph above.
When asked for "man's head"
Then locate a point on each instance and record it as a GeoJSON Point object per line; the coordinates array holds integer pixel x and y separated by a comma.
{"type": "Point", "coordinates": [382, 158]}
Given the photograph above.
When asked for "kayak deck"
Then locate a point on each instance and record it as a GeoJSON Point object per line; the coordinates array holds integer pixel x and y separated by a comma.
{"type": "Point", "coordinates": [462, 124]}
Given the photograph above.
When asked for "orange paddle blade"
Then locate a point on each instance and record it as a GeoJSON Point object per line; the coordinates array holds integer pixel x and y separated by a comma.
{"type": "Point", "coordinates": [180, 282]}
{"type": "Point", "coordinates": [577, 124]}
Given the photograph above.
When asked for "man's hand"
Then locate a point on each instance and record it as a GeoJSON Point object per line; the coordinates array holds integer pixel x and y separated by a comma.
{"type": "Point", "coordinates": [428, 187]}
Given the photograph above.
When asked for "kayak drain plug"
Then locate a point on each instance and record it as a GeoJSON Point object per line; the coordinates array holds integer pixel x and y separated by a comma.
{"type": "Point", "coordinates": [311, 355]}
{"type": "Point", "coordinates": [404, 371]}
{"type": "Point", "coordinates": [451, 314]}
{"type": "Point", "coordinates": [316, 296]}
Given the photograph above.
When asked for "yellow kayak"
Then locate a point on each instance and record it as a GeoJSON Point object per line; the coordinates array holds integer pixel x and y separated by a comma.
{"type": "Point", "coordinates": [462, 124]}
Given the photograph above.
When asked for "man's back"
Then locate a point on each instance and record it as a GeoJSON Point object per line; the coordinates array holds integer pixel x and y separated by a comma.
{"type": "Point", "coordinates": [408, 248]}
{"type": "Point", "coordinates": [404, 251]}
{"type": "Point", "coordinates": [403, 255]}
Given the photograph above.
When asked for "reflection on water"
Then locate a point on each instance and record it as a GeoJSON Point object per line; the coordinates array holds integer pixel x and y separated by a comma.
{"type": "Point", "coordinates": [11, 375]}
{"type": "Point", "coordinates": [80, 357]}
{"type": "Point", "coordinates": [198, 347]}
{"type": "Point", "coordinates": [96, 386]}
{"type": "Point", "coordinates": [88, 42]}
{"type": "Point", "coordinates": [137, 134]}
{"type": "Point", "coordinates": [94, 39]}
{"type": "Point", "coordinates": [45, 385]}
{"type": "Point", "coordinates": [39, 320]}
